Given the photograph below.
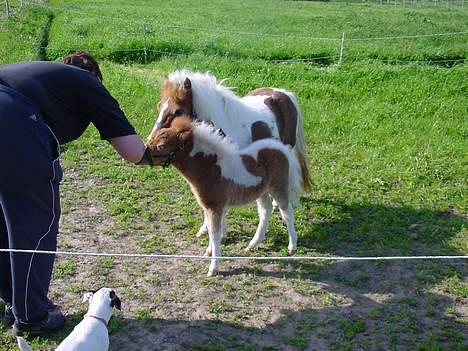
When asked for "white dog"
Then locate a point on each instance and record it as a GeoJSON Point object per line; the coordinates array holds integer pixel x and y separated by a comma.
{"type": "Point", "coordinates": [91, 333]}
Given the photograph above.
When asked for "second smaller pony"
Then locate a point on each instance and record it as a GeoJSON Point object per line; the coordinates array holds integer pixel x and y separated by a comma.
{"type": "Point", "coordinates": [221, 176]}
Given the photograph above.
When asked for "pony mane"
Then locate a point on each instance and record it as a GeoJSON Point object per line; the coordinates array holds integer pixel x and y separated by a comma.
{"type": "Point", "coordinates": [202, 83]}
{"type": "Point", "coordinates": [207, 139]}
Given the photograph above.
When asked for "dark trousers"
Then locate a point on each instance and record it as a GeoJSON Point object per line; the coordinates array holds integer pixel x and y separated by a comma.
{"type": "Point", "coordinates": [30, 174]}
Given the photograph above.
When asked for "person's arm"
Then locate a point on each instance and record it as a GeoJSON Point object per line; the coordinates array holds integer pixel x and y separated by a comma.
{"type": "Point", "coordinates": [131, 148]}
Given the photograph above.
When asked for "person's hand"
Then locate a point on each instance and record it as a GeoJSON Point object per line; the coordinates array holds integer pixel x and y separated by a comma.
{"type": "Point", "coordinates": [146, 159]}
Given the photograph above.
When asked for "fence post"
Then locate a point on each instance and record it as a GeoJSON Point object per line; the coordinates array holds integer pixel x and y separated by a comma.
{"type": "Point", "coordinates": [145, 51]}
{"type": "Point", "coordinates": [341, 49]}
{"type": "Point", "coordinates": [7, 8]}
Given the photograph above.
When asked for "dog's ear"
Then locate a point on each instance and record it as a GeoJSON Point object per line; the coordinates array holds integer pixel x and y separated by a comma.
{"type": "Point", "coordinates": [187, 84]}
{"type": "Point", "coordinates": [87, 297]}
{"type": "Point", "coordinates": [115, 301]}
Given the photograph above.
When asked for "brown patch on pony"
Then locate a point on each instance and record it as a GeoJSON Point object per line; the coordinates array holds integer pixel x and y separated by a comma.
{"type": "Point", "coordinates": [260, 130]}
{"type": "Point", "coordinates": [179, 94]}
{"type": "Point", "coordinates": [284, 110]}
{"type": "Point", "coordinates": [273, 166]}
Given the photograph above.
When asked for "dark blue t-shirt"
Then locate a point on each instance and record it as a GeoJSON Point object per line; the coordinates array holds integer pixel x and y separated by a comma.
{"type": "Point", "coordinates": [69, 99]}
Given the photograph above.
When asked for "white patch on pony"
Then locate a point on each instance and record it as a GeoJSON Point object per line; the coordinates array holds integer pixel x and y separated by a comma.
{"type": "Point", "coordinates": [256, 103]}
{"type": "Point", "coordinates": [161, 113]}
{"type": "Point", "coordinates": [157, 125]}
{"type": "Point", "coordinates": [207, 140]}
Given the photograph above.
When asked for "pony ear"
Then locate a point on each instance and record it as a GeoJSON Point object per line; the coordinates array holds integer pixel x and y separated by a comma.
{"type": "Point", "coordinates": [183, 136]}
{"type": "Point", "coordinates": [187, 84]}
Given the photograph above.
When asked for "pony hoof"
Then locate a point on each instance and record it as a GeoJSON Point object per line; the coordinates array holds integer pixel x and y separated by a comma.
{"type": "Point", "coordinates": [291, 251]}
{"type": "Point", "coordinates": [212, 273]}
{"type": "Point", "coordinates": [200, 233]}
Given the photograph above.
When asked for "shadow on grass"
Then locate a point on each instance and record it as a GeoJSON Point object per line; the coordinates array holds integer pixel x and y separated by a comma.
{"type": "Point", "coordinates": [134, 52]}
{"type": "Point", "coordinates": [443, 61]}
{"type": "Point", "coordinates": [400, 323]}
{"type": "Point", "coordinates": [401, 305]}
{"type": "Point", "coordinates": [355, 229]}
{"type": "Point", "coordinates": [403, 318]}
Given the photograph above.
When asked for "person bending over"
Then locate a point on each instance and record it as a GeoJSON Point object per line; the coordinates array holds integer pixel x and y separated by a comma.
{"type": "Point", "coordinates": [44, 105]}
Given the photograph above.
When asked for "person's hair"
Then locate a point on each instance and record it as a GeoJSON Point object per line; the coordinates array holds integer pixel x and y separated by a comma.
{"type": "Point", "coordinates": [85, 61]}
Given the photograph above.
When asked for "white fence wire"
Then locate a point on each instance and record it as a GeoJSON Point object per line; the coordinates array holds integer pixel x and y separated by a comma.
{"type": "Point", "coordinates": [237, 258]}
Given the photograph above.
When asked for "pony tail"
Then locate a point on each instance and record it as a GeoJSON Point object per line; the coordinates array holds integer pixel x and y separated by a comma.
{"type": "Point", "coordinates": [295, 175]}
{"type": "Point", "coordinates": [300, 150]}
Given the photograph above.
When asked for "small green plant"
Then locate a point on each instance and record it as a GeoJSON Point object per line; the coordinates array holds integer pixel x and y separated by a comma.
{"type": "Point", "coordinates": [64, 269]}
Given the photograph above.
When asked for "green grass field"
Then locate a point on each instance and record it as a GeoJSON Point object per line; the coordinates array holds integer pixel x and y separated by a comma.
{"type": "Point", "coordinates": [386, 132]}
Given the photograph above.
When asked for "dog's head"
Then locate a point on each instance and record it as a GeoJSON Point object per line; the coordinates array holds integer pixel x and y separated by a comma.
{"type": "Point", "coordinates": [103, 297]}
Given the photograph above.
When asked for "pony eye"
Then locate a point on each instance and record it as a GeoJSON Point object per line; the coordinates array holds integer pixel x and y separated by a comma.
{"type": "Point", "coordinates": [161, 146]}
{"type": "Point", "coordinates": [178, 112]}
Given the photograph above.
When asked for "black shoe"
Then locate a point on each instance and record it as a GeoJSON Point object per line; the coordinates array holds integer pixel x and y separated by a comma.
{"type": "Point", "coordinates": [54, 322]}
{"type": "Point", "coordinates": [8, 318]}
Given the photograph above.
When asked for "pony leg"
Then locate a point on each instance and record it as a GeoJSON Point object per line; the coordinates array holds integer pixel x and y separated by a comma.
{"type": "Point", "coordinates": [274, 204]}
{"type": "Point", "coordinates": [215, 220]}
{"type": "Point", "coordinates": [287, 214]}
{"type": "Point", "coordinates": [224, 227]}
{"type": "Point", "coordinates": [208, 250]}
{"type": "Point", "coordinates": [265, 208]}
{"type": "Point", "coordinates": [204, 227]}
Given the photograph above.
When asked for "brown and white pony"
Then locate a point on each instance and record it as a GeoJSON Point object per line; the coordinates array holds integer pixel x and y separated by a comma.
{"type": "Point", "coordinates": [264, 112]}
{"type": "Point", "coordinates": [221, 176]}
